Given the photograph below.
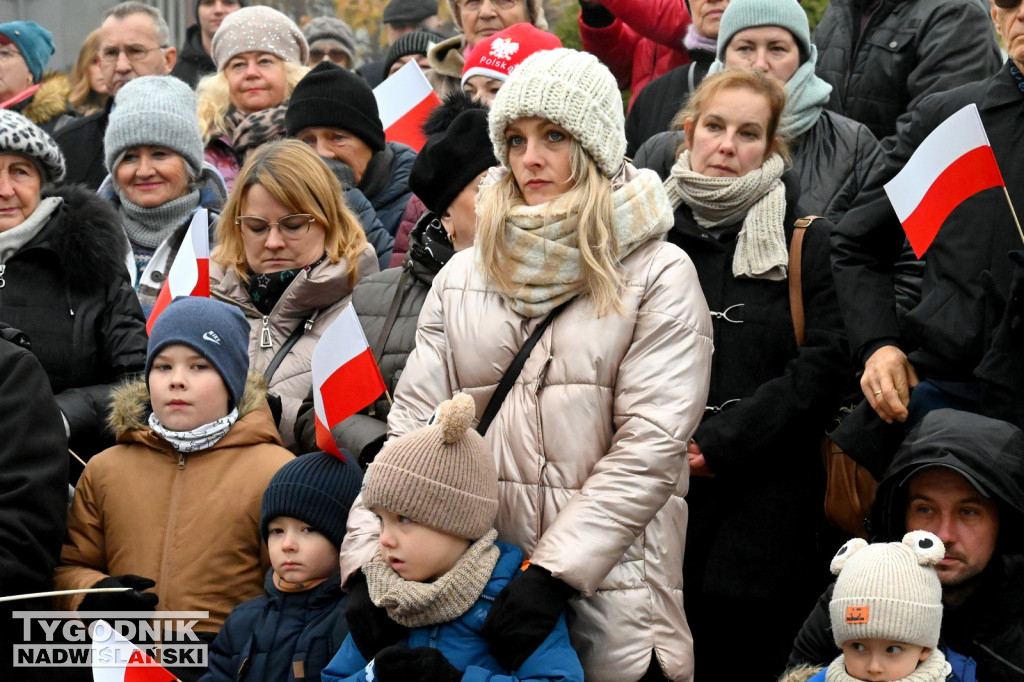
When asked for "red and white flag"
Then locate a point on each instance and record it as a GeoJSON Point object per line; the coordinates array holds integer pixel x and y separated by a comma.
{"type": "Point", "coordinates": [116, 659]}
{"type": "Point", "coordinates": [345, 376]}
{"type": "Point", "coordinates": [404, 101]}
{"type": "Point", "coordinates": [953, 163]}
{"type": "Point", "coordinates": [190, 272]}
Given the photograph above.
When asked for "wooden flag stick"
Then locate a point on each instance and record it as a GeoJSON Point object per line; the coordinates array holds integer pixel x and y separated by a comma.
{"type": "Point", "coordinates": [58, 593]}
{"type": "Point", "coordinates": [80, 460]}
{"type": "Point", "coordinates": [1017, 222]}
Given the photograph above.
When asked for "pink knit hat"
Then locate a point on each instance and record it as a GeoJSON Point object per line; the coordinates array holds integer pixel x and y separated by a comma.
{"type": "Point", "coordinates": [500, 54]}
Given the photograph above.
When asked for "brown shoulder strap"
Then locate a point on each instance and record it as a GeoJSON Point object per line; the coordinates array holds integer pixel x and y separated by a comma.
{"type": "Point", "coordinates": [796, 295]}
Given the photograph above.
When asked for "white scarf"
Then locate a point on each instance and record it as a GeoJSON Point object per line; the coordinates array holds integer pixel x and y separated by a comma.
{"type": "Point", "coordinates": [12, 239]}
{"type": "Point", "coordinates": [758, 198]}
{"type": "Point", "coordinates": [199, 438]}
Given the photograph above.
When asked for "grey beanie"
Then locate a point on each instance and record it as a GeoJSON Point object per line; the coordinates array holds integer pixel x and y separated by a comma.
{"type": "Point", "coordinates": [740, 15]}
{"type": "Point", "coordinates": [258, 29]}
{"type": "Point", "coordinates": [572, 89]}
{"type": "Point", "coordinates": [20, 136]}
{"type": "Point", "coordinates": [155, 111]}
{"type": "Point", "coordinates": [331, 28]}
{"type": "Point", "coordinates": [888, 590]}
{"type": "Point", "coordinates": [216, 330]}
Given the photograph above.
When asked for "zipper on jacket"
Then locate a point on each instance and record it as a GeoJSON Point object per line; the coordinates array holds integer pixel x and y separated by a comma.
{"type": "Point", "coordinates": [181, 461]}
{"type": "Point", "coordinates": [265, 340]}
{"type": "Point", "coordinates": [544, 372]}
{"type": "Point", "coordinates": [3, 282]}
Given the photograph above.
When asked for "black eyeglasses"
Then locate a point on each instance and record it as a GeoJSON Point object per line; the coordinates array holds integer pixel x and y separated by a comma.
{"type": "Point", "coordinates": [134, 53]}
{"type": "Point", "coordinates": [291, 226]}
{"type": "Point", "coordinates": [334, 54]}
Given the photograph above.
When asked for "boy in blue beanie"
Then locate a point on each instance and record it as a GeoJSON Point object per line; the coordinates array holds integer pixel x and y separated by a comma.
{"type": "Point", "coordinates": [293, 630]}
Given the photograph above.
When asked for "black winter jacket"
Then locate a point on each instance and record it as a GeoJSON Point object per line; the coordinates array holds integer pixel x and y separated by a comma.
{"type": "Point", "coordinates": [194, 61]}
{"type": "Point", "coordinates": [662, 98]}
{"type": "Point", "coordinates": [81, 141]}
{"type": "Point", "coordinates": [989, 625]}
{"type": "Point", "coordinates": [373, 297]}
{"type": "Point", "coordinates": [751, 532]}
{"type": "Point", "coordinates": [264, 639]}
{"type": "Point", "coordinates": [33, 487]}
{"type": "Point", "coordinates": [908, 50]}
{"type": "Point", "coordinates": [385, 183]}
{"type": "Point", "coordinates": [68, 290]}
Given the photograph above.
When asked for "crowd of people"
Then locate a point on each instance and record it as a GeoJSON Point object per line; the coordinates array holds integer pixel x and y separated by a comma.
{"type": "Point", "coordinates": [613, 333]}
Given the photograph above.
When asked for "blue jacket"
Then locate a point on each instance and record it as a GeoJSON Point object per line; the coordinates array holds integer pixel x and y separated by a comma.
{"type": "Point", "coordinates": [467, 649]}
{"type": "Point", "coordinates": [385, 183]}
{"type": "Point", "coordinates": [265, 637]}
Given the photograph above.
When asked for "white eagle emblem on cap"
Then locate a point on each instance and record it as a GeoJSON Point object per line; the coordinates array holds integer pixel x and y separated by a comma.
{"type": "Point", "coordinates": [504, 48]}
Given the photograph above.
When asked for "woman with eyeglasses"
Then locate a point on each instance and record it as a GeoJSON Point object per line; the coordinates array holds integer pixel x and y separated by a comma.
{"type": "Point", "coordinates": [158, 179]}
{"type": "Point", "coordinates": [260, 56]}
{"type": "Point", "coordinates": [477, 19]}
{"type": "Point", "coordinates": [289, 252]}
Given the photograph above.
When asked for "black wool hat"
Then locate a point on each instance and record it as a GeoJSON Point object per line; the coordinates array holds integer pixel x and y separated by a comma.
{"type": "Point", "coordinates": [413, 42]}
{"type": "Point", "coordinates": [332, 97]}
{"type": "Point", "coordinates": [407, 12]}
{"type": "Point", "coordinates": [317, 489]}
{"type": "Point", "coordinates": [451, 160]}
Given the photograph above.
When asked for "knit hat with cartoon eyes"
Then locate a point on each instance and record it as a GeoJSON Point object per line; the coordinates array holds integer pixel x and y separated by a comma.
{"type": "Point", "coordinates": [888, 590]}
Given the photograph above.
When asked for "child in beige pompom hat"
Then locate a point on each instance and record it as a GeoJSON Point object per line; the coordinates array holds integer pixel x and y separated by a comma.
{"type": "Point", "coordinates": [439, 567]}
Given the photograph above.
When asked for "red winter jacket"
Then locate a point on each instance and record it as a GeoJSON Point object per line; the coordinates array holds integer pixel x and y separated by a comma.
{"type": "Point", "coordinates": [644, 42]}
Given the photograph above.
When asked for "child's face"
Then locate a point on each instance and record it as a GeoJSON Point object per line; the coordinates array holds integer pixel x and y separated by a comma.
{"type": "Point", "coordinates": [186, 391]}
{"type": "Point", "coordinates": [882, 660]}
{"type": "Point", "coordinates": [416, 552]}
{"type": "Point", "coordinates": [298, 552]}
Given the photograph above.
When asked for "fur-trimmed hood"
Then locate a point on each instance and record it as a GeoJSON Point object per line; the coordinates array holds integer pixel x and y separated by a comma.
{"type": "Point", "coordinates": [50, 100]}
{"type": "Point", "coordinates": [130, 408]}
{"type": "Point", "coordinates": [85, 235]}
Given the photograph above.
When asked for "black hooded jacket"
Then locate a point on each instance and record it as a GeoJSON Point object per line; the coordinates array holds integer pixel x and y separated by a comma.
{"type": "Point", "coordinates": [989, 625]}
{"type": "Point", "coordinates": [194, 61]}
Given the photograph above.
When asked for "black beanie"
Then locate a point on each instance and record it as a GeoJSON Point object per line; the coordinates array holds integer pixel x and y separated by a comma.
{"type": "Point", "coordinates": [406, 12]}
{"type": "Point", "coordinates": [449, 161]}
{"type": "Point", "coordinates": [332, 97]}
{"type": "Point", "coordinates": [413, 42]}
{"type": "Point", "coordinates": [317, 489]}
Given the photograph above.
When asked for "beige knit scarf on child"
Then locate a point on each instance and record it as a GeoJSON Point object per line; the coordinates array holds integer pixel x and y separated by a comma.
{"type": "Point", "coordinates": [544, 261]}
{"type": "Point", "coordinates": [932, 669]}
{"type": "Point", "coordinates": [758, 198]}
{"type": "Point", "coordinates": [417, 605]}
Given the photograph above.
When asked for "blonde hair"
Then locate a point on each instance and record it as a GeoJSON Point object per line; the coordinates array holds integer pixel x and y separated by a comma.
{"type": "Point", "coordinates": [755, 81]}
{"type": "Point", "coordinates": [213, 98]}
{"type": "Point", "coordinates": [300, 181]}
{"type": "Point", "coordinates": [589, 201]}
{"type": "Point", "coordinates": [82, 97]}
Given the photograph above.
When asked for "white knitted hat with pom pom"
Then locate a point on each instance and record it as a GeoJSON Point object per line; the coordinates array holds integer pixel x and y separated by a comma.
{"type": "Point", "coordinates": [442, 475]}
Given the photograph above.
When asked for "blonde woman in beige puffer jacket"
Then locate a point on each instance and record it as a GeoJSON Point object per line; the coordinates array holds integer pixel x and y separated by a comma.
{"type": "Point", "coordinates": [591, 440]}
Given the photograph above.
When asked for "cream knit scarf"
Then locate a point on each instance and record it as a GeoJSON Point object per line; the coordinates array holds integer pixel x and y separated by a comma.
{"type": "Point", "coordinates": [932, 669]}
{"type": "Point", "coordinates": [543, 258]}
{"type": "Point", "coordinates": [13, 238]}
{"type": "Point", "coordinates": [758, 198]}
{"type": "Point", "coordinates": [417, 605]}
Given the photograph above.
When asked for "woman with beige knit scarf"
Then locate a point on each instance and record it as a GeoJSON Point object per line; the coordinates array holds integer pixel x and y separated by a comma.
{"type": "Point", "coordinates": [756, 488]}
{"type": "Point", "coordinates": [590, 441]}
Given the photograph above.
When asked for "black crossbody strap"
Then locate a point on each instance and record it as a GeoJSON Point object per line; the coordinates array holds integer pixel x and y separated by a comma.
{"type": "Point", "coordinates": [306, 325]}
{"type": "Point", "coordinates": [389, 321]}
{"type": "Point", "coordinates": [514, 369]}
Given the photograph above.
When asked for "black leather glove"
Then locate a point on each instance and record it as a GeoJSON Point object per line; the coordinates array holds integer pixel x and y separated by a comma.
{"type": "Point", "coordinates": [132, 600]}
{"type": "Point", "coordinates": [524, 614]}
{"type": "Point", "coordinates": [399, 663]}
{"type": "Point", "coordinates": [275, 407]}
{"type": "Point", "coordinates": [370, 626]}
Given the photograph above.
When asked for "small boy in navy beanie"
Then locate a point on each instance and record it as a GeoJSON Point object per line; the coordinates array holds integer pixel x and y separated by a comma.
{"type": "Point", "coordinates": [294, 629]}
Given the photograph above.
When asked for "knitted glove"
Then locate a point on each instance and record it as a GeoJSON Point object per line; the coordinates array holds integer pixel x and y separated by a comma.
{"type": "Point", "coordinates": [524, 614]}
{"type": "Point", "coordinates": [399, 663]}
{"type": "Point", "coordinates": [132, 600]}
{"type": "Point", "coordinates": [370, 626]}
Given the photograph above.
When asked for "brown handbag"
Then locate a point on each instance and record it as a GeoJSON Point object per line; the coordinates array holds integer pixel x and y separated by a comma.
{"type": "Point", "coordinates": [849, 487]}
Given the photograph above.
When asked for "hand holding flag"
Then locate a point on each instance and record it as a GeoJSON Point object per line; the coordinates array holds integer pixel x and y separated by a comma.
{"type": "Point", "coordinates": [190, 272]}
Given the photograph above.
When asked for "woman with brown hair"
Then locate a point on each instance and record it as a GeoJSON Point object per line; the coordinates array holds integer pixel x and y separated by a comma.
{"type": "Point", "coordinates": [289, 252]}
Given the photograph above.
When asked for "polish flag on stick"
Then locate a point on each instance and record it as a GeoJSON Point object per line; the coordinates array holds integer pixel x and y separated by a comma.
{"type": "Point", "coordinates": [116, 659]}
{"type": "Point", "coordinates": [345, 377]}
{"type": "Point", "coordinates": [953, 163]}
{"type": "Point", "coordinates": [190, 272]}
{"type": "Point", "coordinates": [404, 101]}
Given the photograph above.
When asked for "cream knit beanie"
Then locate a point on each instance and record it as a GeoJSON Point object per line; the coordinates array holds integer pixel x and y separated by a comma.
{"type": "Point", "coordinates": [572, 89]}
{"type": "Point", "coordinates": [442, 475]}
{"type": "Point", "coordinates": [888, 590]}
{"type": "Point", "coordinates": [535, 9]}
{"type": "Point", "coordinates": [258, 29]}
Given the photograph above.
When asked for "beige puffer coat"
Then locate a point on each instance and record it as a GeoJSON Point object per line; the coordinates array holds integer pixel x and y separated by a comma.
{"type": "Point", "coordinates": [318, 296]}
{"type": "Point", "coordinates": [590, 444]}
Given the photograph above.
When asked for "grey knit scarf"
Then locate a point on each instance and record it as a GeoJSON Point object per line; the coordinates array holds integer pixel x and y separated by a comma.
{"type": "Point", "coordinates": [757, 198]}
{"type": "Point", "coordinates": [417, 605]}
{"type": "Point", "coordinates": [932, 669]}
{"type": "Point", "coordinates": [12, 239]}
{"type": "Point", "coordinates": [149, 227]}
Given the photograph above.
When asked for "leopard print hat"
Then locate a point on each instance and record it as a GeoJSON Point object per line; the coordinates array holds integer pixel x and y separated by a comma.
{"type": "Point", "coordinates": [20, 136]}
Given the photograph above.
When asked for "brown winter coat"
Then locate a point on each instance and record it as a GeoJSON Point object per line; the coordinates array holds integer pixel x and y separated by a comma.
{"type": "Point", "coordinates": [189, 522]}
{"type": "Point", "coordinates": [320, 298]}
{"type": "Point", "coordinates": [590, 444]}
